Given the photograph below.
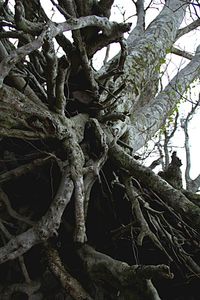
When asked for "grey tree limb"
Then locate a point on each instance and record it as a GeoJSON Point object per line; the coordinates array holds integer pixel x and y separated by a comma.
{"type": "Point", "coordinates": [182, 53]}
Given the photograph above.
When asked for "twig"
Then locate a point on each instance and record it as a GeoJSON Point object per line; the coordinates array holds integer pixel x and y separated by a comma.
{"type": "Point", "coordinates": [61, 10]}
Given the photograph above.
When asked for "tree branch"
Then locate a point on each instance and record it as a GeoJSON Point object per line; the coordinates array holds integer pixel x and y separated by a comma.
{"type": "Point", "coordinates": [78, 40]}
{"type": "Point", "coordinates": [144, 227]}
{"type": "Point", "coordinates": [93, 167]}
{"type": "Point", "coordinates": [156, 163]}
{"type": "Point", "coordinates": [195, 184]}
{"type": "Point", "coordinates": [50, 70]}
{"type": "Point", "coordinates": [85, 63]}
{"type": "Point", "coordinates": [50, 31]}
{"type": "Point", "coordinates": [169, 132]}
{"type": "Point", "coordinates": [188, 28]}
{"type": "Point", "coordinates": [181, 53]}
{"type": "Point", "coordinates": [63, 71]}
{"type": "Point", "coordinates": [22, 23]}
{"type": "Point", "coordinates": [105, 7]}
{"type": "Point", "coordinates": [140, 14]}
{"type": "Point", "coordinates": [76, 161]}
{"type": "Point", "coordinates": [11, 211]}
{"type": "Point", "coordinates": [45, 228]}
{"type": "Point", "coordinates": [19, 82]}
{"type": "Point", "coordinates": [24, 169]}
{"type": "Point", "coordinates": [172, 196]}
{"type": "Point", "coordinates": [69, 283]}
{"type": "Point", "coordinates": [139, 64]}
{"type": "Point", "coordinates": [191, 185]}
{"type": "Point", "coordinates": [142, 127]}
{"type": "Point", "coordinates": [61, 10]}
{"type": "Point", "coordinates": [34, 121]}
{"type": "Point", "coordinates": [118, 274]}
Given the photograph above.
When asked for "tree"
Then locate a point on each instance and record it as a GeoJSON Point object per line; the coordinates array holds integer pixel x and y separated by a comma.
{"type": "Point", "coordinates": [76, 204]}
{"type": "Point", "coordinates": [166, 140]}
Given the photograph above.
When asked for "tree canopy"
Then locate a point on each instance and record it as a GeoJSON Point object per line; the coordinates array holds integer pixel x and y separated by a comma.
{"type": "Point", "coordinates": [80, 216]}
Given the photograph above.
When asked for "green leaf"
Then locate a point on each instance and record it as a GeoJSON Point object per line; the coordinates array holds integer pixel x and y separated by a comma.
{"type": "Point", "coordinates": [168, 50]}
{"type": "Point", "coordinates": [162, 61]}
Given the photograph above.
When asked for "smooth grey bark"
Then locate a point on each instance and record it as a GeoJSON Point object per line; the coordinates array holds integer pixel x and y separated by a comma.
{"type": "Point", "coordinates": [141, 73]}
{"type": "Point", "coordinates": [148, 119]}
